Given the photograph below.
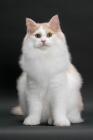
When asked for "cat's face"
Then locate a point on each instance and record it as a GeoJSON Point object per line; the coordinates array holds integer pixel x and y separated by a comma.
{"type": "Point", "coordinates": [43, 35]}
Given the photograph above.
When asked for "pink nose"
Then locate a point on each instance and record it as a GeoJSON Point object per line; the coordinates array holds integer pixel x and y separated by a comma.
{"type": "Point", "coordinates": [43, 41]}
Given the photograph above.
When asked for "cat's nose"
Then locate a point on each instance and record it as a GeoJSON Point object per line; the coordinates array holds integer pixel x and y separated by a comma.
{"type": "Point", "coordinates": [43, 41]}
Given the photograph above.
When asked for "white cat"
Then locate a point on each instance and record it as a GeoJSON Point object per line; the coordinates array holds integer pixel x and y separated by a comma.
{"type": "Point", "coordinates": [49, 87]}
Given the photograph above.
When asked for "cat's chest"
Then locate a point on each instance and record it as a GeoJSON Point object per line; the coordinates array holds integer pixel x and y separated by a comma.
{"type": "Point", "coordinates": [42, 66]}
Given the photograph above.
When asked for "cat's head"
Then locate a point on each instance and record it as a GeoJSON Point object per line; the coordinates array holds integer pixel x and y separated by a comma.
{"type": "Point", "coordinates": [44, 35]}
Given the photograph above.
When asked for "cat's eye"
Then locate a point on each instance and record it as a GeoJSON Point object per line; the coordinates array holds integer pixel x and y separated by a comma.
{"type": "Point", "coordinates": [37, 35]}
{"type": "Point", "coordinates": [49, 34]}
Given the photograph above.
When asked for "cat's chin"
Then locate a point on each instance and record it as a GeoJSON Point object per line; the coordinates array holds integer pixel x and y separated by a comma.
{"type": "Point", "coordinates": [44, 47]}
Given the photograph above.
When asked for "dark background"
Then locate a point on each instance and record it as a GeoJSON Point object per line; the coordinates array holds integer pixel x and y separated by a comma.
{"type": "Point", "coordinates": [76, 18]}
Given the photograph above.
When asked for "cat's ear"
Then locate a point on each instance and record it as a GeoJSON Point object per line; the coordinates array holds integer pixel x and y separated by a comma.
{"type": "Point", "coordinates": [31, 25]}
{"type": "Point", "coordinates": [54, 22]}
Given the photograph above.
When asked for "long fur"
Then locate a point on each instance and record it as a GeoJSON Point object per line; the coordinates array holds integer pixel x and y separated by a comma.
{"type": "Point", "coordinates": [49, 87]}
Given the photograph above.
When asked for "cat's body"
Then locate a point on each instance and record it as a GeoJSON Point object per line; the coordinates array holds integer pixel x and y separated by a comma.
{"type": "Point", "coordinates": [49, 87]}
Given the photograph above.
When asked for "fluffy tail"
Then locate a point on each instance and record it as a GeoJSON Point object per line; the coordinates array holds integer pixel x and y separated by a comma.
{"type": "Point", "coordinates": [17, 111]}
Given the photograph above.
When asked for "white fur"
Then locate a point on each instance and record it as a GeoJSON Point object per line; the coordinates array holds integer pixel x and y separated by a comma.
{"type": "Point", "coordinates": [48, 92]}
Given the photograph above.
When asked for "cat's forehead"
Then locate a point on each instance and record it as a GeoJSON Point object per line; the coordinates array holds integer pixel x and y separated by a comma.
{"type": "Point", "coordinates": [40, 29]}
{"type": "Point", "coordinates": [43, 28]}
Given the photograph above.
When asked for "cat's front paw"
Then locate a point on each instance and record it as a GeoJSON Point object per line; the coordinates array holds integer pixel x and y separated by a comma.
{"type": "Point", "coordinates": [62, 122]}
{"type": "Point", "coordinates": [31, 120]}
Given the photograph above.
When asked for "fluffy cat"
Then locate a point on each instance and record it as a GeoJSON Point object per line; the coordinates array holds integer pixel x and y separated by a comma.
{"type": "Point", "coordinates": [49, 87]}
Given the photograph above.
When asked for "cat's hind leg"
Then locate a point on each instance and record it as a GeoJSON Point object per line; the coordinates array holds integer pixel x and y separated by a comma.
{"type": "Point", "coordinates": [75, 116]}
{"type": "Point", "coordinates": [74, 113]}
{"type": "Point", "coordinates": [75, 104]}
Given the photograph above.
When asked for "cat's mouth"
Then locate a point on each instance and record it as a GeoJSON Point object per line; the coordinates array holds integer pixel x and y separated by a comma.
{"type": "Point", "coordinates": [43, 45]}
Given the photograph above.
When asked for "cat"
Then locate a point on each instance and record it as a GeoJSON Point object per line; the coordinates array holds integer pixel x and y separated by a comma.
{"type": "Point", "coordinates": [49, 87]}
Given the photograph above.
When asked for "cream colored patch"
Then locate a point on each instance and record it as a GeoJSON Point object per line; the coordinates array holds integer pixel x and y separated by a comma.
{"type": "Point", "coordinates": [48, 29]}
{"type": "Point", "coordinates": [58, 32]}
{"type": "Point", "coordinates": [17, 110]}
{"type": "Point", "coordinates": [76, 75]}
{"type": "Point", "coordinates": [71, 69]}
{"type": "Point", "coordinates": [61, 36]}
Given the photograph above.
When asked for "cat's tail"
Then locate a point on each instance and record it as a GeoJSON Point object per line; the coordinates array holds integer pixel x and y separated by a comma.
{"type": "Point", "coordinates": [17, 111]}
